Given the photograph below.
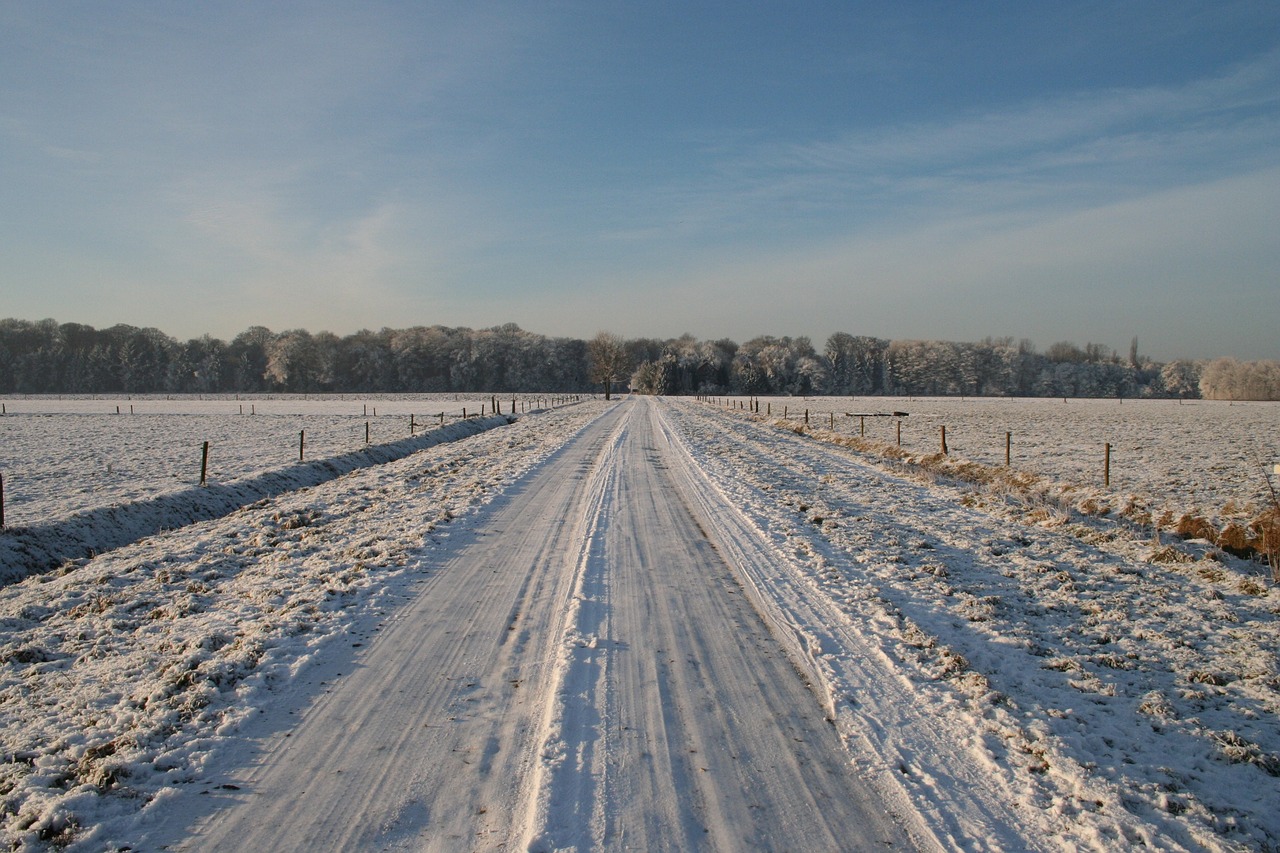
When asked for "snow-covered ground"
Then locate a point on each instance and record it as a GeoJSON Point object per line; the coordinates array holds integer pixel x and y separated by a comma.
{"type": "Point", "coordinates": [1202, 457]}
{"type": "Point", "coordinates": [1122, 690]}
{"type": "Point", "coordinates": [120, 674]}
{"type": "Point", "coordinates": [63, 455]}
{"type": "Point", "coordinates": [1025, 676]}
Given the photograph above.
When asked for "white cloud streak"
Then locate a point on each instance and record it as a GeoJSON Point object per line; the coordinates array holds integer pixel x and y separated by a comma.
{"type": "Point", "coordinates": [1083, 149]}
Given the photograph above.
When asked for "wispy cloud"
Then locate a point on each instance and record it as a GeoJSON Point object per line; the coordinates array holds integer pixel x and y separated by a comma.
{"type": "Point", "coordinates": [1088, 147]}
{"type": "Point", "coordinates": [269, 252]}
{"type": "Point", "coordinates": [1056, 124]}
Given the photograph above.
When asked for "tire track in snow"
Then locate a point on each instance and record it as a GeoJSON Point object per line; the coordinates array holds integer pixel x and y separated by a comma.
{"type": "Point", "coordinates": [679, 722]}
{"type": "Point", "coordinates": [848, 669]}
{"type": "Point", "coordinates": [961, 741]}
{"type": "Point", "coordinates": [567, 776]}
{"type": "Point", "coordinates": [580, 670]}
{"type": "Point", "coordinates": [428, 744]}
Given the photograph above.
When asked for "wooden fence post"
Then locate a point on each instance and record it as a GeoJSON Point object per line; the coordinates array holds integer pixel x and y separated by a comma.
{"type": "Point", "coordinates": [944, 440]}
{"type": "Point", "coordinates": [1, 501]}
{"type": "Point", "coordinates": [366, 432]}
{"type": "Point", "coordinates": [833, 421]}
{"type": "Point", "coordinates": [899, 432]}
{"type": "Point", "coordinates": [1106, 464]}
{"type": "Point", "coordinates": [204, 463]}
{"type": "Point", "coordinates": [1008, 448]}
{"type": "Point", "coordinates": [302, 442]}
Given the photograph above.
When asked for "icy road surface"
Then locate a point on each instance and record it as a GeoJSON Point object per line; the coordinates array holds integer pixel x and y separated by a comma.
{"type": "Point", "coordinates": [585, 672]}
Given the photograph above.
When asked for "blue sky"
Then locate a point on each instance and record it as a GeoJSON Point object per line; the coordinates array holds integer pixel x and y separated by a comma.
{"type": "Point", "coordinates": [1084, 171]}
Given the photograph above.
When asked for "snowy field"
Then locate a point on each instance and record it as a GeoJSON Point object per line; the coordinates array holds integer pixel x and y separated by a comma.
{"type": "Point", "coordinates": [64, 455]}
{"type": "Point", "coordinates": [1122, 689]}
{"type": "Point", "coordinates": [1020, 679]}
{"type": "Point", "coordinates": [1201, 457]}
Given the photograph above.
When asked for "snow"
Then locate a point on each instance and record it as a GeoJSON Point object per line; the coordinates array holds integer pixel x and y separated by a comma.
{"type": "Point", "coordinates": [1007, 673]}
{"type": "Point", "coordinates": [64, 455]}
{"type": "Point", "coordinates": [1124, 695]}
{"type": "Point", "coordinates": [1207, 458]}
{"type": "Point", "coordinates": [674, 721]}
{"type": "Point", "coordinates": [121, 673]}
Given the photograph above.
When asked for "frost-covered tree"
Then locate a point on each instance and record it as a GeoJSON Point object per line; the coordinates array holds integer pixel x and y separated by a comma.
{"type": "Point", "coordinates": [364, 362]}
{"type": "Point", "coordinates": [1229, 379]}
{"type": "Point", "coordinates": [248, 356]}
{"type": "Point", "coordinates": [566, 365]}
{"type": "Point", "coordinates": [855, 364]}
{"type": "Point", "coordinates": [142, 357]}
{"type": "Point", "coordinates": [769, 365]}
{"type": "Point", "coordinates": [209, 364]}
{"type": "Point", "coordinates": [645, 379]}
{"type": "Point", "coordinates": [609, 361]}
{"type": "Point", "coordinates": [926, 368]}
{"type": "Point", "coordinates": [1180, 379]}
{"type": "Point", "coordinates": [291, 361]}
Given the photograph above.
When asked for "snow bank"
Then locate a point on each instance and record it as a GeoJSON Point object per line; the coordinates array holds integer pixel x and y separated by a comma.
{"type": "Point", "coordinates": [43, 547]}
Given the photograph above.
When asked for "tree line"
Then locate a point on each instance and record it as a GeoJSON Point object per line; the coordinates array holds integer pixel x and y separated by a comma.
{"type": "Point", "coordinates": [69, 358]}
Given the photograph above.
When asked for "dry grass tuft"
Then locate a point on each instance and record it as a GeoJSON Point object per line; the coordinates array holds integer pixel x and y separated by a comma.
{"type": "Point", "coordinates": [1258, 538]}
{"type": "Point", "coordinates": [1252, 586]}
{"type": "Point", "coordinates": [1195, 527]}
{"type": "Point", "coordinates": [1234, 539]}
{"type": "Point", "coordinates": [1094, 507]}
{"type": "Point", "coordinates": [1168, 554]}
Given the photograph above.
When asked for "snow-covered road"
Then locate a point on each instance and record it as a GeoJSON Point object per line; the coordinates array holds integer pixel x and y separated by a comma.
{"type": "Point", "coordinates": [646, 624]}
{"type": "Point", "coordinates": [585, 673]}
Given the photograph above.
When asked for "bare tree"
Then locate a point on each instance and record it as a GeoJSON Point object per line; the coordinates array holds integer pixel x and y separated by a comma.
{"type": "Point", "coordinates": [610, 363]}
